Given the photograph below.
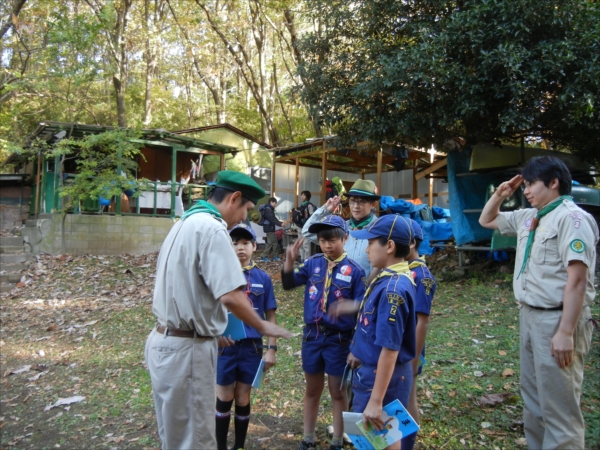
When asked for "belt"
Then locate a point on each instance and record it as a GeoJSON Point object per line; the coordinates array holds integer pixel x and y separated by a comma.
{"type": "Point", "coordinates": [177, 332]}
{"type": "Point", "coordinates": [556, 308]}
{"type": "Point", "coordinates": [325, 329]}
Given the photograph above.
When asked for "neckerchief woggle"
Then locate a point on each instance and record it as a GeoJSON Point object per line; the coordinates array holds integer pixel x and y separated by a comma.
{"type": "Point", "coordinates": [202, 206]}
{"type": "Point", "coordinates": [247, 270]}
{"type": "Point", "coordinates": [400, 268]}
{"type": "Point", "coordinates": [534, 224]}
{"type": "Point", "coordinates": [331, 264]}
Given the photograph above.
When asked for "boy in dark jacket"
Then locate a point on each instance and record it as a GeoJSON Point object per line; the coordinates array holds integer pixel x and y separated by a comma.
{"type": "Point", "coordinates": [270, 220]}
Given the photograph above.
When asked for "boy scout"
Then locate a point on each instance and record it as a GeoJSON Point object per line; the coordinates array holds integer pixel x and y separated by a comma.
{"type": "Point", "coordinates": [384, 342]}
{"type": "Point", "coordinates": [238, 364]}
{"type": "Point", "coordinates": [425, 286]}
{"type": "Point", "coordinates": [329, 278]}
{"type": "Point", "coordinates": [197, 276]}
{"type": "Point", "coordinates": [554, 281]}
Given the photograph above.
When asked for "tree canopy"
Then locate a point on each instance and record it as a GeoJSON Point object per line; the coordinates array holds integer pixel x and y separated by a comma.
{"type": "Point", "coordinates": [429, 71]}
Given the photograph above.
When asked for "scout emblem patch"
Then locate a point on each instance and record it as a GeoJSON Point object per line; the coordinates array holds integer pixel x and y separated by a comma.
{"type": "Point", "coordinates": [317, 270]}
{"type": "Point", "coordinates": [346, 270]}
{"type": "Point", "coordinates": [577, 246]}
{"type": "Point", "coordinates": [428, 283]}
{"type": "Point", "coordinates": [312, 292]}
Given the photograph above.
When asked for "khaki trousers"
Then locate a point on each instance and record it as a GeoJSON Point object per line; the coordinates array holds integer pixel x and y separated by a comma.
{"type": "Point", "coordinates": [272, 245]}
{"type": "Point", "coordinates": [305, 250]}
{"type": "Point", "coordinates": [183, 375]}
{"type": "Point", "coordinates": [552, 413]}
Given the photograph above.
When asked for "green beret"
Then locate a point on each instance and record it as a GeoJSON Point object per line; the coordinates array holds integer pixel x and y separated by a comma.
{"type": "Point", "coordinates": [237, 181]}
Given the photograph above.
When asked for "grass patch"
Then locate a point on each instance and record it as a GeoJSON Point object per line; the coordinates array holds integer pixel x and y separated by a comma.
{"type": "Point", "coordinates": [85, 323]}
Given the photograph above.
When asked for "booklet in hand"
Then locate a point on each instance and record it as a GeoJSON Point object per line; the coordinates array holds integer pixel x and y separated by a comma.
{"type": "Point", "coordinates": [260, 375]}
{"type": "Point", "coordinates": [397, 422]}
{"type": "Point", "coordinates": [235, 328]}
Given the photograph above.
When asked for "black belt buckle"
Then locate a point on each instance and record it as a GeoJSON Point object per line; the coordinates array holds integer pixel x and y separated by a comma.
{"type": "Point", "coordinates": [322, 328]}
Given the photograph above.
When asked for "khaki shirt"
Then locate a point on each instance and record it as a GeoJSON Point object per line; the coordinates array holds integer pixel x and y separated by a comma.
{"type": "Point", "coordinates": [566, 234]}
{"type": "Point", "coordinates": [196, 265]}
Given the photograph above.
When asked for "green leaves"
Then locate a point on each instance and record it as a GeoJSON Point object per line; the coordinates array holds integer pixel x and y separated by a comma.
{"type": "Point", "coordinates": [430, 71]}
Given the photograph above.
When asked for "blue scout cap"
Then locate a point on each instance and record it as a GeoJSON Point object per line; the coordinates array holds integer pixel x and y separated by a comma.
{"type": "Point", "coordinates": [331, 221]}
{"type": "Point", "coordinates": [237, 181]}
{"type": "Point", "coordinates": [392, 227]}
{"type": "Point", "coordinates": [244, 231]}
{"type": "Point", "coordinates": [416, 229]}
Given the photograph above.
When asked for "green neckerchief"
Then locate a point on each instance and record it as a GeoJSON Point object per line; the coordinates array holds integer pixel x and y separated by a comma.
{"type": "Point", "coordinates": [534, 224]}
{"type": "Point", "coordinates": [362, 224]}
{"type": "Point", "coordinates": [202, 206]}
{"type": "Point", "coordinates": [401, 268]}
{"type": "Point", "coordinates": [304, 203]}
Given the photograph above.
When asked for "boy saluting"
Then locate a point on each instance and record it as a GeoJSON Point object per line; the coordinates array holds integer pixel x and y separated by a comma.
{"type": "Point", "coordinates": [329, 278]}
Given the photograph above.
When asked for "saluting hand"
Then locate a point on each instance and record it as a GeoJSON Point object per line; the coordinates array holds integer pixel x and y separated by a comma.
{"type": "Point", "coordinates": [507, 188]}
{"type": "Point", "coordinates": [333, 203]}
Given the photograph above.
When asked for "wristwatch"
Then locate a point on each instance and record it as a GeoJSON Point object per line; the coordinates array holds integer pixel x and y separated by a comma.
{"type": "Point", "coordinates": [272, 347]}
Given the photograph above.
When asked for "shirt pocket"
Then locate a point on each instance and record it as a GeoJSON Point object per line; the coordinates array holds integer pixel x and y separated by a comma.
{"type": "Point", "coordinates": [341, 290]}
{"type": "Point", "coordinates": [546, 251]}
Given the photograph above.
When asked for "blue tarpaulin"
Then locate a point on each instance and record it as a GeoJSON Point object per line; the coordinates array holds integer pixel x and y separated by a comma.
{"type": "Point", "coordinates": [432, 231]}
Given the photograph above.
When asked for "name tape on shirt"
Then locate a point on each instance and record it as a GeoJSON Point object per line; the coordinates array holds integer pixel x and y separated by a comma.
{"type": "Point", "coordinates": [339, 276]}
{"type": "Point", "coordinates": [257, 285]}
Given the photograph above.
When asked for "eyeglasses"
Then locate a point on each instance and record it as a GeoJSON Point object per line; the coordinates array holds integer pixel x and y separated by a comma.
{"type": "Point", "coordinates": [358, 202]}
{"type": "Point", "coordinates": [527, 185]}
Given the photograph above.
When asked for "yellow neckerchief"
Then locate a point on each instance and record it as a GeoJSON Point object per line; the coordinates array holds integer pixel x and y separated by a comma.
{"type": "Point", "coordinates": [247, 270]}
{"type": "Point", "coordinates": [416, 263]}
{"type": "Point", "coordinates": [401, 268]}
{"type": "Point", "coordinates": [331, 264]}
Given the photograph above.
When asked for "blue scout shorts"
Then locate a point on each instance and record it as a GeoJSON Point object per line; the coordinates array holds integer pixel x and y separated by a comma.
{"type": "Point", "coordinates": [325, 350]}
{"type": "Point", "coordinates": [239, 362]}
{"type": "Point", "coordinates": [364, 380]}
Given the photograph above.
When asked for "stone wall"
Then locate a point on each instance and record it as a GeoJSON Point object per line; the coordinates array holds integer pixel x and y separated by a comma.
{"type": "Point", "coordinates": [96, 234]}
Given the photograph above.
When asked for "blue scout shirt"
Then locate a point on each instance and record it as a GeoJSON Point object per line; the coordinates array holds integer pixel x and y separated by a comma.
{"type": "Point", "coordinates": [425, 286]}
{"type": "Point", "coordinates": [259, 291]}
{"type": "Point", "coordinates": [387, 317]}
{"type": "Point", "coordinates": [347, 281]}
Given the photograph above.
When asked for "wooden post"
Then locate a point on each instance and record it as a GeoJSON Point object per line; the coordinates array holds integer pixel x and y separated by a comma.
{"type": "Point", "coordinates": [415, 184]}
{"type": "Point", "coordinates": [379, 168]}
{"type": "Point", "coordinates": [273, 178]}
{"type": "Point", "coordinates": [362, 174]}
{"type": "Point", "coordinates": [297, 183]}
{"type": "Point", "coordinates": [431, 179]}
{"type": "Point", "coordinates": [174, 178]}
{"type": "Point", "coordinates": [324, 174]}
{"type": "Point", "coordinates": [222, 161]}
{"type": "Point", "coordinates": [38, 188]}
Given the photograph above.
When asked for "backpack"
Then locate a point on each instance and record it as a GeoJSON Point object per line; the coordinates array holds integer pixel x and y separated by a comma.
{"type": "Point", "coordinates": [261, 210]}
{"type": "Point", "coordinates": [300, 215]}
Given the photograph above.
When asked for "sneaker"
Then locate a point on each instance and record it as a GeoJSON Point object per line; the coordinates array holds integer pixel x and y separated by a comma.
{"type": "Point", "coordinates": [265, 259]}
{"type": "Point", "coordinates": [306, 446]}
{"type": "Point", "coordinates": [276, 258]}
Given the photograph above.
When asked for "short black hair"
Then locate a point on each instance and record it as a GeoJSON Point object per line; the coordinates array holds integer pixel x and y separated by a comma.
{"type": "Point", "coordinates": [218, 194]}
{"type": "Point", "coordinates": [307, 194]}
{"type": "Point", "coordinates": [546, 169]}
{"type": "Point", "coordinates": [402, 250]}
{"type": "Point", "coordinates": [272, 199]}
{"type": "Point", "coordinates": [331, 233]}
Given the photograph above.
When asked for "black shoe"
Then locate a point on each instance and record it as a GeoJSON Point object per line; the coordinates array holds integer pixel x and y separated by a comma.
{"type": "Point", "coordinates": [306, 446]}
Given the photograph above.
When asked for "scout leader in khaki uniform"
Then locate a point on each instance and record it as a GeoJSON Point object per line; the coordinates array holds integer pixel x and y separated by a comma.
{"type": "Point", "coordinates": [554, 281]}
{"type": "Point", "coordinates": [198, 274]}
